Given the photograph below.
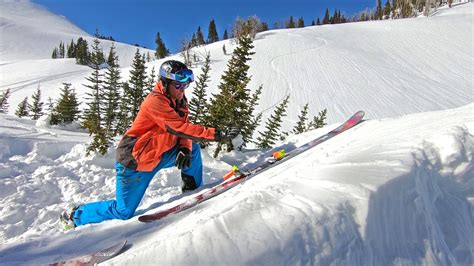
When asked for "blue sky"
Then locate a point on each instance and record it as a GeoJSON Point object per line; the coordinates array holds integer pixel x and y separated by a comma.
{"type": "Point", "coordinates": [138, 21]}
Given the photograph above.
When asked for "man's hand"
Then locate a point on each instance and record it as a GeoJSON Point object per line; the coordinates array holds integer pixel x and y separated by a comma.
{"type": "Point", "coordinates": [183, 159]}
{"type": "Point", "coordinates": [226, 134]}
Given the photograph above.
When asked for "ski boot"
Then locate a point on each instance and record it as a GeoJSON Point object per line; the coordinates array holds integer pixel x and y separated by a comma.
{"type": "Point", "coordinates": [66, 218]}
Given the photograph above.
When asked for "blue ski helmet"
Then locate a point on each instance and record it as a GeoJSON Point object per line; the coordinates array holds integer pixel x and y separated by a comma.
{"type": "Point", "coordinates": [174, 70]}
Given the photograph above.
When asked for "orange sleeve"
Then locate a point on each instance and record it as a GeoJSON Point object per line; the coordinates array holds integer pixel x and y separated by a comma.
{"type": "Point", "coordinates": [159, 111]}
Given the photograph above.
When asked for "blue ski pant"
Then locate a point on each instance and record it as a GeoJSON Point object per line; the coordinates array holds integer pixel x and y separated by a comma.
{"type": "Point", "coordinates": [130, 188]}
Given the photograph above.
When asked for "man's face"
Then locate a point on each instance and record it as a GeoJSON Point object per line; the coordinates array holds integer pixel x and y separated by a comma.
{"type": "Point", "coordinates": [176, 90]}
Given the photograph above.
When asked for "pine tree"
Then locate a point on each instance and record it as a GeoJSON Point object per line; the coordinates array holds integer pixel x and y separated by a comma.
{"type": "Point", "coordinates": [198, 105]}
{"type": "Point", "coordinates": [4, 101]}
{"type": "Point", "coordinates": [137, 84]}
{"type": "Point", "coordinates": [71, 50]}
{"type": "Point", "coordinates": [82, 52]}
{"type": "Point", "coordinates": [62, 51]}
{"type": "Point", "coordinates": [230, 106]}
{"type": "Point", "coordinates": [268, 137]}
{"type": "Point", "coordinates": [379, 12]}
{"type": "Point", "coordinates": [225, 36]}
{"type": "Point", "coordinates": [124, 120]}
{"type": "Point", "coordinates": [301, 23]}
{"type": "Point", "coordinates": [291, 23]}
{"type": "Point", "coordinates": [152, 79]}
{"type": "Point", "coordinates": [318, 22]}
{"type": "Point", "coordinates": [199, 37]}
{"type": "Point", "coordinates": [22, 109]}
{"type": "Point", "coordinates": [54, 55]}
{"type": "Point", "coordinates": [326, 18]}
{"type": "Point", "coordinates": [67, 107]}
{"type": "Point", "coordinates": [36, 107]}
{"type": "Point", "coordinates": [49, 106]}
{"type": "Point", "coordinates": [301, 124]}
{"type": "Point", "coordinates": [161, 51]}
{"type": "Point", "coordinates": [387, 9]}
{"type": "Point", "coordinates": [93, 115]}
{"type": "Point", "coordinates": [319, 121]}
{"type": "Point", "coordinates": [212, 33]}
{"type": "Point", "coordinates": [250, 126]}
{"type": "Point", "coordinates": [111, 95]}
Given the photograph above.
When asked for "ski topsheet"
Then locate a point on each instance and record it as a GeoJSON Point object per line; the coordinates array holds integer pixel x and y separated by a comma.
{"type": "Point", "coordinates": [94, 258]}
{"type": "Point", "coordinates": [250, 170]}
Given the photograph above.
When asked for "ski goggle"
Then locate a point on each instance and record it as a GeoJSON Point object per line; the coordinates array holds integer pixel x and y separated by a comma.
{"type": "Point", "coordinates": [182, 76]}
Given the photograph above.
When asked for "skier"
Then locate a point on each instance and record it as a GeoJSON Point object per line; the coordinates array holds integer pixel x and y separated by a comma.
{"type": "Point", "coordinates": [161, 136]}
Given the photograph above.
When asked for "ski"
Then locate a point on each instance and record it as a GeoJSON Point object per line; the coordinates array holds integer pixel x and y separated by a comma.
{"type": "Point", "coordinates": [237, 176]}
{"type": "Point", "coordinates": [94, 258]}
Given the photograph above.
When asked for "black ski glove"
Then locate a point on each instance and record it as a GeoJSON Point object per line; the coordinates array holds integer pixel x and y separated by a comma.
{"type": "Point", "coordinates": [183, 159]}
{"type": "Point", "coordinates": [226, 134]}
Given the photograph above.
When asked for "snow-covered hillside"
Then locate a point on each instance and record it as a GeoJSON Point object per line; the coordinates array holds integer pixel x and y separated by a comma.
{"type": "Point", "coordinates": [389, 68]}
{"type": "Point", "coordinates": [28, 35]}
{"type": "Point", "coordinates": [396, 189]}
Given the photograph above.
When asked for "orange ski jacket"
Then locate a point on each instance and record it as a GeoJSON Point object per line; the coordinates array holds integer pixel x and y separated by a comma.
{"type": "Point", "coordinates": [159, 126]}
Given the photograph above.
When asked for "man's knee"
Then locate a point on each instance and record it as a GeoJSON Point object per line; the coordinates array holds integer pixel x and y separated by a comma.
{"type": "Point", "coordinates": [125, 214]}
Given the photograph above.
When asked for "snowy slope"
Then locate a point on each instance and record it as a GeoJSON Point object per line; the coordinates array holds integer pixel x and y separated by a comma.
{"type": "Point", "coordinates": [28, 35]}
{"type": "Point", "coordinates": [388, 68]}
{"type": "Point", "coordinates": [397, 189]}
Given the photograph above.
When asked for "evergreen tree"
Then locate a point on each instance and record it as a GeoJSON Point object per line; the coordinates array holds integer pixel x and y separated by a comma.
{"type": "Point", "coordinates": [36, 107]}
{"type": "Point", "coordinates": [124, 120]}
{"type": "Point", "coordinates": [82, 52]}
{"type": "Point", "coordinates": [291, 23]}
{"type": "Point", "coordinates": [193, 40]}
{"type": "Point", "coordinates": [161, 51]}
{"type": "Point", "coordinates": [93, 114]}
{"type": "Point", "coordinates": [301, 23]}
{"type": "Point", "coordinates": [152, 79]}
{"type": "Point", "coordinates": [71, 50]}
{"type": "Point", "coordinates": [55, 53]}
{"type": "Point", "coordinates": [49, 106]}
{"type": "Point", "coordinates": [22, 109]}
{"type": "Point", "coordinates": [137, 84]}
{"type": "Point", "coordinates": [379, 12]}
{"type": "Point", "coordinates": [387, 9]}
{"type": "Point", "coordinates": [326, 18]}
{"type": "Point", "coordinates": [111, 96]}
{"type": "Point", "coordinates": [4, 101]}
{"type": "Point", "coordinates": [198, 105]}
{"type": "Point", "coordinates": [318, 22]}
{"type": "Point", "coordinates": [251, 125]}
{"type": "Point", "coordinates": [319, 121]}
{"type": "Point", "coordinates": [212, 33]}
{"type": "Point", "coordinates": [67, 107]}
{"type": "Point", "coordinates": [301, 124]}
{"type": "Point", "coordinates": [62, 51]}
{"type": "Point", "coordinates": [268, 137]}
{"type": "Point", "coordinates": [225, 36]}
{"type": "Point", "coordinates": [199, 37]}
{"type": "Point", "coordinates": [230, 106]}
{"type": "Point", "coordinates": [313, 23]}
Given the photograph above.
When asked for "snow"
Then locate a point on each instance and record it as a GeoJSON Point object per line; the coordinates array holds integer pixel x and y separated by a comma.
{"type": "Point", "coordinates": [396, 189]}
